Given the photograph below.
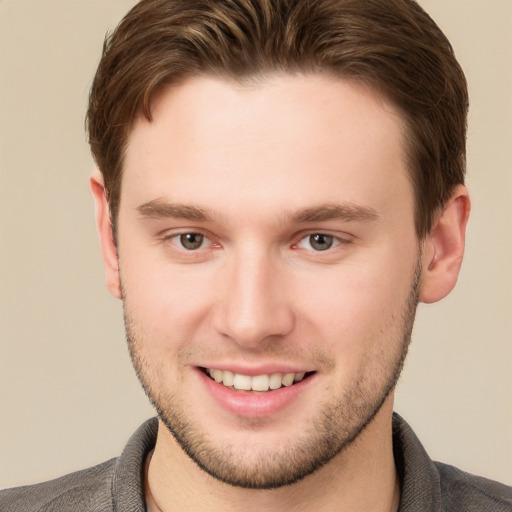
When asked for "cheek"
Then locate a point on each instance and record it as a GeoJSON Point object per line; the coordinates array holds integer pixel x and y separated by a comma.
{"type": "Point", "coordinates": [356, 308]}
{"type": "Point", "coordinates": [166, 304]}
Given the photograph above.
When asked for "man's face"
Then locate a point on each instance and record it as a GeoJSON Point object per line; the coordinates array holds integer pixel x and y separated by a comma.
{"type": "Point", "coordinates": [266, 235]}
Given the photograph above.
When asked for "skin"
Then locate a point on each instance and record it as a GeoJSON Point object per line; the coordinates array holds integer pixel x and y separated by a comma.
{"type": "Point", "coordinates": [256, 170]}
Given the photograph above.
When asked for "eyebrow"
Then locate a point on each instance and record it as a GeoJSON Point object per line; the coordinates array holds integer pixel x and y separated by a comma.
{"type": "Point", "coordinates": [159, 209]}
{"type": "Point", "coordinates": [347, 212]}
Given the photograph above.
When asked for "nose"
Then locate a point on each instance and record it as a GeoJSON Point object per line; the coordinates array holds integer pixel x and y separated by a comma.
{"type": "Point", "coordinates": [253, 308]}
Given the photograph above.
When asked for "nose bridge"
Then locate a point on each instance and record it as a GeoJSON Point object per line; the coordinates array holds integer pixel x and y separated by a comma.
{"type": "Point", "coordinates": [253, 306]}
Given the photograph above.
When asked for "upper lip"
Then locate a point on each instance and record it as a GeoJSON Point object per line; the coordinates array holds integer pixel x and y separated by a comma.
{"type": "Point", "coordinates": [253, 371]}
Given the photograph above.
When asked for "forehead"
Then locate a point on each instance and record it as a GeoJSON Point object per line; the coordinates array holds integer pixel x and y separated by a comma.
{"type": "Point", "coordinates": [285, 139]}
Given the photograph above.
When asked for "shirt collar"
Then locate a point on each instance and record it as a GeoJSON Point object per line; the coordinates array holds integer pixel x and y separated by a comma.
{"type": "Point", "coordinates": [420, 489]}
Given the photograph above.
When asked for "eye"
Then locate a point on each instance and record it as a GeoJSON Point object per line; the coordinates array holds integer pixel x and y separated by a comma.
{"type": "Point", "coordinates": [191, 241]}
{"type": "Point", "coordinates": [318, 242]}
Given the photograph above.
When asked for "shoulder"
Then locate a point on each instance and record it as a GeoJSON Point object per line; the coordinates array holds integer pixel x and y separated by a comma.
{"type": "Point", "coordinates": [86, 490]}
{"type": "Point", "coordinates": [471, 493]}
{"type": "Point", "coordinates": [432, 486]}
{"type": "Point", "coordinates": [113, 485]}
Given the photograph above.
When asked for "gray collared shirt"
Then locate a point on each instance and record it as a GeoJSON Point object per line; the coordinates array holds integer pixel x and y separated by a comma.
{"type": "Point", "coordinates": [117, 485]}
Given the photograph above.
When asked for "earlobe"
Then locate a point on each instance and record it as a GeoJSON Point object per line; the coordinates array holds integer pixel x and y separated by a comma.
{"type": "Point", "coordinates": [443, 248]}
{"type": "Point", "coordinates": [104, 226]}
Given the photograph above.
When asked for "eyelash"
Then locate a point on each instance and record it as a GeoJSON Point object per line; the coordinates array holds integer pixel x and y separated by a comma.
{"type": "Point", "coordinates": [176, 239]}
{"type": "Point", "coordinates": [333, 241]}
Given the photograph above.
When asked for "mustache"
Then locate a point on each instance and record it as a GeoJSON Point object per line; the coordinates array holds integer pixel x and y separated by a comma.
{"type": "Point", "coordinates": [195, 352]}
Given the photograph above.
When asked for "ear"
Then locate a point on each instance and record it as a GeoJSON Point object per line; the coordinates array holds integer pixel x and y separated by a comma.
{"type": "Point", "coordinates": [443, 248]}
{"type": "Point", "coordinates": [104, 226]}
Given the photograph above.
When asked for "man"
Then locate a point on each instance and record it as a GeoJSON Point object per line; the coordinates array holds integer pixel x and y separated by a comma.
{"type": "Point", "coordinates": [280, 183]}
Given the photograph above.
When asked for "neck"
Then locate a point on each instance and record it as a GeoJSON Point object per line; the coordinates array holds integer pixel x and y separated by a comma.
{"type": "Point", "coordinates": [360, 479]}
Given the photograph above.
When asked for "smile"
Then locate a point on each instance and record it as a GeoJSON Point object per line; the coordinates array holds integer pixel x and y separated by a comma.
{"type": "Point", "coordinates": [263, 382]}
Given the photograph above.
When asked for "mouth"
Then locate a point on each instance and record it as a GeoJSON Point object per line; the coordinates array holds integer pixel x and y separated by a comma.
{"type": "Point", "coordinates": [258, 383]}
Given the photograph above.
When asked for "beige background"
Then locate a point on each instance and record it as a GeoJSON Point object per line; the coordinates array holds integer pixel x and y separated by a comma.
{"type": "Point", "coordinates": [68, 396]}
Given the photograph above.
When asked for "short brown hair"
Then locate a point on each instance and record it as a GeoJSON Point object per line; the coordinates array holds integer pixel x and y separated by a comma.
{"type": "Point", "coordinates": [392, 45]}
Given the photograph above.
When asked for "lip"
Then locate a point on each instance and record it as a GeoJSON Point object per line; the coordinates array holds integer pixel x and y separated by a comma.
{"type": "Point", "coordinates": [254, 404]}
{"type": "Point", "coordinates": [257, 370]}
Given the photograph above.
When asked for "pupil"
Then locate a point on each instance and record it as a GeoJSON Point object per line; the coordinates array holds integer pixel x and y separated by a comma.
{"type": "Point", "coordinates": [321, 242]}
{"type": "Point", "coordinates": [191, 240]}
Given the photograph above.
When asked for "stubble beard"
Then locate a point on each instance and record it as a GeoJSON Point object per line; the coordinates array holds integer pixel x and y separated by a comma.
{"type": "Point", "coordinates": [335, 428]}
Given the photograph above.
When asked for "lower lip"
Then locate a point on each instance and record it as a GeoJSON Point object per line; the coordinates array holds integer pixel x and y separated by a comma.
{"type": "Point", "coordinates": [254, 405]}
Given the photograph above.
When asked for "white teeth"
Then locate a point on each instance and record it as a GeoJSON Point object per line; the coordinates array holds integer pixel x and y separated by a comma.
{"type": "Point", "coordinates": [242, 382]}
{"type": "Point", "coordinates": [288, 379]}
{"type": "Point", "coordinates": [275, 381]}
{"type": "Point", "coordinates": [260, 383]}
{"type": "Point", "coordinates": [217, 375]}
{"type": "Point", "coordinates": [257, 383]}
{"type": "Point", "coordinates": [228, 378]}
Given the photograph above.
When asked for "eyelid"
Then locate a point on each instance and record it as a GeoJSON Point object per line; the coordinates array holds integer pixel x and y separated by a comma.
{"type": "Point", "coordinates": [172, 236]}
{"type": "Point", "coordinates": [172, 232]}
{"type": "Point", "coordinates": [340, 239]}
